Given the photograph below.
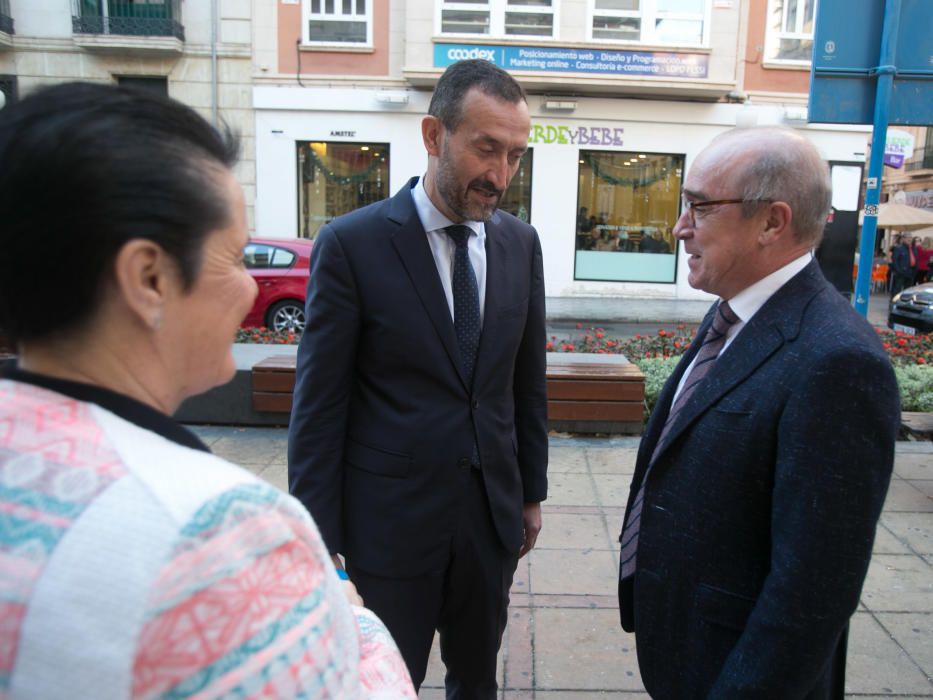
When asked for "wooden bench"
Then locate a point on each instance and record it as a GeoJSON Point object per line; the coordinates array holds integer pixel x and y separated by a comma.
{"type": "Point", "coordinates": [605, 396]}
{"type": "Point", "coordinates": [917, 425]}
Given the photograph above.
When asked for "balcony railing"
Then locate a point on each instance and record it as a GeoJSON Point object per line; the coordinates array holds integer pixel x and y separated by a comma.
{"type": "Point", "coordinates": [6, 19]}
{"type": "Point", "coordinates": [126, 17]}
{"type": "Point", "coordinates": [922, 159]}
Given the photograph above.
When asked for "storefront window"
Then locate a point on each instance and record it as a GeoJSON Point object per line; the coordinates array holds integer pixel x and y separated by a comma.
{"type": "Point", "coordinates": [627, 205]}
{"type": "Point", "coordinates": [336, 178]}
{"type": "Point", "coordinates": [517, 199]}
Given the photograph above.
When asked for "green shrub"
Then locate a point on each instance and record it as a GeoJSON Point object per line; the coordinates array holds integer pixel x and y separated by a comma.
{"type": "Point", "coordinates": [656, 371]}
{"type": "Point", "coordinates": [916, 386]}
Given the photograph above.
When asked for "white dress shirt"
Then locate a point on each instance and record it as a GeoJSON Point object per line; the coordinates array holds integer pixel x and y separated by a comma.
{"type": "Point", "coordinates": [443, 246]}
{"type": "Point", "coordinates": [746, 304]}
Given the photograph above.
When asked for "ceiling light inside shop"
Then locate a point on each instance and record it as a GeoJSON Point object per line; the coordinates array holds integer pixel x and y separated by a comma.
{"type": "Point", "coordinates": [364, 148]}
{"type": "Point", "coordinates": [642, 155]}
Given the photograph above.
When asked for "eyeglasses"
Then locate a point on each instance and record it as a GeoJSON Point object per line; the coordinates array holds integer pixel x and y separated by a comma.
{"type": "Point", "coordinates": [693, 208]}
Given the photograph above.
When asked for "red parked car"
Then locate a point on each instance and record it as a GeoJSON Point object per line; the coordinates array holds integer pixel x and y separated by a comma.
{"type": "Point", "coordinates": [280, 268]}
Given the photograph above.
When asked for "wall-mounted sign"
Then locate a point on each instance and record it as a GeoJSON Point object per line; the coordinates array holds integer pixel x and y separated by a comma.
{"type": "Point", "coordinates": [568, 60]}
{"type": "Point", "coordinates": [898, 146]}
{"type": "Point", "coordinates": [346, 134]}
{"type": "Point", "coordinates": [576, 135]}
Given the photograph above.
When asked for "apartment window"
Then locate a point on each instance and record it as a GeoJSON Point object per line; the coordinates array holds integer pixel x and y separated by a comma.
{"type": "Point", "coordinates": [790, 30]}
{"type": "Point", "coordinates": [675, 22]}
{"type": "Point", "coordinates": [8, 88]}
{"type": "Point", "coordinates": [500, 18]}
{"type": "Point", "coordinates": [336, 178]}
{"type": "Point", "coordinates": [156, 84]}
{"type": "Point", "coordinates": [338, 22]}
{"type": "Point", "coordinates": [627, 205]}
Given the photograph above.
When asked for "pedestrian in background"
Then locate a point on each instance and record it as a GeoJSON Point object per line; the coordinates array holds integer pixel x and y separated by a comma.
{"type": "Point", "coordinates": [902, 273]}
{"type": "Point", "coordinates": [923, 252]}
{"type": "Point", "coordinates": [761, 475]}
{"type": "Point", "coordinates": [135, 564]}
{"type": "Point", "coordinates": [418, 436]}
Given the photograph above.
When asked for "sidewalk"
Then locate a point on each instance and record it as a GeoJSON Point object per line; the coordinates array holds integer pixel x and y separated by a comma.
{"type": "Point", "coordinates": [564, 642]}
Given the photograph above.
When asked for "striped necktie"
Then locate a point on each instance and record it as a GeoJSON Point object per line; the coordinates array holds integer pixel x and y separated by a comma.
{"type": "Point", "coordinates": [709, 351]}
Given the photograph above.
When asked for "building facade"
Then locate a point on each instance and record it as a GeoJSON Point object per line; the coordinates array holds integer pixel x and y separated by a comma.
{"type": "Point", "coordinates": [197, 51]}
{"type": "Point", "coordinates": [623, 95]}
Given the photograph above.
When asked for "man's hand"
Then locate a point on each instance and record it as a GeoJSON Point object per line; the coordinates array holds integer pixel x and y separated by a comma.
{"type": "Point", "coordinates": [348, 588]}
{"type": "Point", "coordinates": [531, 518]}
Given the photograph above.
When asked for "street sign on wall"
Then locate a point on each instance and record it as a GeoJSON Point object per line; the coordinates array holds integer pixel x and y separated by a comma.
{"type": "Point", "coordinates": [845, 63]}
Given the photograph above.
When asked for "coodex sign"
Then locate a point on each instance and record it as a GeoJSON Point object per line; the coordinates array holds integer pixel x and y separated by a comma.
{"type": "Point", "coordinates": [455, 54]}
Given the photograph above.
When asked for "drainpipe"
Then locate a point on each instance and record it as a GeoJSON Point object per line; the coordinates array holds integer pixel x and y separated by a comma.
{"type": "Point", "coordinates": [214, 21]}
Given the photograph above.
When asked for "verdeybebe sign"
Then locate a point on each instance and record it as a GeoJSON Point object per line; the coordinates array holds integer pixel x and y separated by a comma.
{"type": "Point", "coordinates": [576, 135]}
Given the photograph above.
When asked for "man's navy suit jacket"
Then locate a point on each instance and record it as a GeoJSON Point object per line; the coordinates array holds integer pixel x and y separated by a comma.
{"type": "Point", "coordinates": [759, 515]}
{"type": "Point", "coordinates": [383, 420]}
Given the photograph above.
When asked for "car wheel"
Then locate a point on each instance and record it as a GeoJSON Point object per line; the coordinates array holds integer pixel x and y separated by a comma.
{"type": "Point", "coordinates": [286, 315]}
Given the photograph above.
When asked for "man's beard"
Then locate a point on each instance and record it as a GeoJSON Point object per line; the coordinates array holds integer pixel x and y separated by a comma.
{"type": "Point", "coordinates": [458, 201]}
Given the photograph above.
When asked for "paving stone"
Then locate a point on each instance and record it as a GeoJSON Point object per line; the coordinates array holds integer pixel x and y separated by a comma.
{"type": "Point", "coordinates": [570, 489]}
{"type": "Point", "coordinates": [913, 529]}
{"type": "Point", "coordinates": [887, 543]}
{"type": "Point", "coordinates": [583, 650]}
{"type": "Point", "coordinates": [612, 461]}
{"type": "Point", "coordinates": [522, 577]}
{"type": "Point", "coordinates": [876, 664]}
{"type": "Point", "coordinates": [925, 486]}
{"type": "Point", "coordinates": [898, 583]}
{"type": "Point", "coordinates": [209, 434]}
{"type": "Point", "coordinates": [612, 489]}
{"type": "Point", "coordinates": [903, 496]}
{"type": "Point", "coordinates": [569, 531]}
{"type": "Point", "coordinates": [252, 445]}
{"type": "Point", "coordinates": [517, 647]}
{"type": "Point", "coordinates": [915, 634]}
{"type": "Point", "coordinates": [566, 459]}
{"type": "Point", "coordinates": [581, 572]}
{"type": "Point", "coordinates": [277, 475]}
{"type": "Point", "coordinates": [913, 465]}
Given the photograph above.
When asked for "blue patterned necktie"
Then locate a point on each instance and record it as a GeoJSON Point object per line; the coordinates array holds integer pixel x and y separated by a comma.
{"type": "Point", "coordinates": [466, 300]}
{"type": "Point", "coordinates": [466, 310]}
{"type": "Point", "coordinates": [713, 341]}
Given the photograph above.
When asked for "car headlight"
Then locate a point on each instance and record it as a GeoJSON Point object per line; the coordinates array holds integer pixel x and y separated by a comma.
{"type": "Point", "coordinates": [896, 298]}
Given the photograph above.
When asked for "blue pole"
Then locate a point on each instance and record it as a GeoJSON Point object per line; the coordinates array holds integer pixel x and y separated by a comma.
{"type": "Point", "coordinates": [885, 71]}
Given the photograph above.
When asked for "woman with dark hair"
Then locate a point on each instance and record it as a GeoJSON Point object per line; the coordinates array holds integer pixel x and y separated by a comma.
{"type": "Point", "coordinates": [133, 563]}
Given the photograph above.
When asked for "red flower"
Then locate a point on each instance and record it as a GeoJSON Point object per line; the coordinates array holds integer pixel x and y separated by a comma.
{"type": "Point", "coordinates": [676, 344]}
{"type": "Point", "coordinates": [901, 341]}
{"type": "Point", "coordinates": [599, 334]}
{"type": "Point", "coordinates": [662, 332]}
{"type": "Point", "coordinates": [550, 346]}
{"type": "Point", "coordinates": [921, 361]}
{"type": "Point", "coordinates": [579, 325]}
{"type": "Point", "coordinates": [567, 348]}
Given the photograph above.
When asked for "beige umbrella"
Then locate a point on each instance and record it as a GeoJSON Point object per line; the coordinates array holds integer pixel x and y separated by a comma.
{"type": "Point", "coordinates": [901, 217]}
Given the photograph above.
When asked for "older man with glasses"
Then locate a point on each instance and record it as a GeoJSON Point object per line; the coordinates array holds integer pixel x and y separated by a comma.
{"type": "Point", "coordinates": [762, 473]}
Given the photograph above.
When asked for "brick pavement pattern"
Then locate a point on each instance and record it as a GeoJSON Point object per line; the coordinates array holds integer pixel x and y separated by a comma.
{"type": "Point", "coordinates": [563, 641]}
